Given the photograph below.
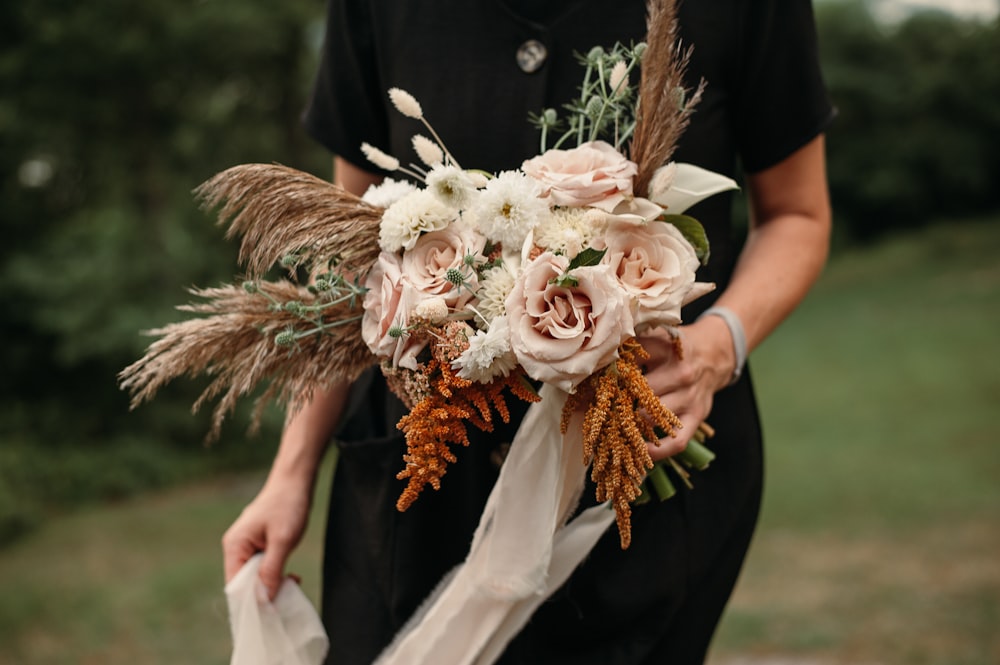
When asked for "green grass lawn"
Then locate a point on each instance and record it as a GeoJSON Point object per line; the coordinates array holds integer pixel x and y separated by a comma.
{"type": "Point", "coordinates": [880, 536]}
{"type": "Point", "coordinates": [879, 542]}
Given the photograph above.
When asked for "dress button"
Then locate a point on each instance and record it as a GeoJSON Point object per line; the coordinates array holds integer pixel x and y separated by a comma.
{"type": "Point", "coordinates": [531, 56]}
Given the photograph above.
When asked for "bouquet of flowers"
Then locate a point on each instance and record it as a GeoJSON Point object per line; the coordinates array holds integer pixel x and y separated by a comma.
{"type": "Point", "coordinates": [547, 273]}
{"type": "Point", "coordinates": [466, 287]}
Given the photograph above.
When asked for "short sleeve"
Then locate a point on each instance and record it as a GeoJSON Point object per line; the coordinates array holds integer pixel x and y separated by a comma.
{"type": "Point", "coordinates": [347, 71]}
{"type": "Point", "coordinates": [782, 102]}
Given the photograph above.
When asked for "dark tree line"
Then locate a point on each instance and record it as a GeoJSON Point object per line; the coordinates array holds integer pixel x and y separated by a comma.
{"type": "Point", "coordinates": [111, 113]}
{"type": "Point", "coordinates": [917, 139]}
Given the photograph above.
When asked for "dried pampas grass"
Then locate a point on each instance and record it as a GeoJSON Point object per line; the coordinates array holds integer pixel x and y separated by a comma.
{"type": "Point", "coordinates": [235, 345]}
{"type": "Point", "coordinates": [280, 211]}
{"type": "Point", "coordinates": [665, 106]}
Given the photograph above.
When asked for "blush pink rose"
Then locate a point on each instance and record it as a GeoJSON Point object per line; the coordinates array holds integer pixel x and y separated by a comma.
{"type": "Point", "coordinates": [563, 334]}
{"type": "Point", "coordinates": [593, 174]}
{"type": "Point", "coordinates": [656, 265]}
{"type": "Point", "coordinates": [425, 267]}
{"type": "Point", "coordinates": [388, 304]}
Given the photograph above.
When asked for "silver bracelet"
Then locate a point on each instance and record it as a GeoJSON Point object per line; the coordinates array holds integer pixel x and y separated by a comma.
{"type": "Point", "coordinates": [739, 337]}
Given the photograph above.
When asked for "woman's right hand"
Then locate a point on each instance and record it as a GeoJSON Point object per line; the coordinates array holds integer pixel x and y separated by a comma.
{"type": "Point", "coordinates": [273, 523]}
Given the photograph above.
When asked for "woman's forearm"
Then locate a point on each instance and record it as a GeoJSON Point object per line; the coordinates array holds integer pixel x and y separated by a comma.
{"type": "Point", "coordinates": [787, 244]}
{"type": "Point", "coordinates": [308, 431]}
{"type": "Point", "coordinates": [306, 435]}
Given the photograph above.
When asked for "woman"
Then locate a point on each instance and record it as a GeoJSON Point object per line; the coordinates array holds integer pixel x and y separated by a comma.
{"type": "Point", "coordinates": [478, 69]}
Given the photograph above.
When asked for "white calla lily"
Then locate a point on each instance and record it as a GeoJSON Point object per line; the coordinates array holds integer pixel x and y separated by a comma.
{"type": "Point", "coordinates": [677, 186]}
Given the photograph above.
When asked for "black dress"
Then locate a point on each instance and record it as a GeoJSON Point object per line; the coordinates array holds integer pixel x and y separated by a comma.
{"type": "Point", "coordinates": [659, 601]}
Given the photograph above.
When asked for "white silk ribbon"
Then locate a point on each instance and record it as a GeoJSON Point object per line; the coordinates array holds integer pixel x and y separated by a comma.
{"type": "Point", "coordinates": [522, 551]}
{"type": "Point", "coordinates": [285, 631]}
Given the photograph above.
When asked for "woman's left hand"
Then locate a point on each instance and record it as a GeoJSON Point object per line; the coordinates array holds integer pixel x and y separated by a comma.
{"type": "Point", "coordinates": [687, 385]}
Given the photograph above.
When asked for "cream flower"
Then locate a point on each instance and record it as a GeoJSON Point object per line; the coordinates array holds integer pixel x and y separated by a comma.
{"type": "Point", "coordinates": [428, 151]}
{"type": "Point", "coordinates": [451, 185]}
{"type": "Point", "coordinates": [637, 209]}
{"type": "Point", "coordinates": [387, 307]}
{"type": "Point", "coordinates": [656, 265]}
{"type": "Point", "coordinates": [429, 265]}
{"type": "Point", "coordinates": [662, 180]}
{"type": "Point", "coordinates": [478, 178]}
{"type": "Point", "coordinates": [434, 310]}
{"type": "Point", "coordinates": [508, 207]}
{"type": "Point", "coordinates": [387, 192]}
{"type": "Point", "coordinates": [561, 334]}
{"type": "Point", "coordinates": [569, 230]}
{"type": "Point", "coordinates": [494, 287]}
{"type": "Point", "coordinates": [489, 354]}
{"type": "Point", "coordinates": [406, 103]}
{"type": "Point", "coordinates": [678, 186]}
{"type": "Point", "coordinates": [592, 174]}
{"type": "Point", "coordinates": [417, 212]}
{"type": "Point", "coordinates": [618, 79]}
{"type": "Point", "coordinates": [379, 158]}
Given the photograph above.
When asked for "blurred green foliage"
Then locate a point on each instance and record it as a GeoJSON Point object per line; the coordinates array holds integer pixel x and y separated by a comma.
{"type": "Point", "coordinates": [917, 137]}
{"type": "Point", "coordinates": [112, 111]}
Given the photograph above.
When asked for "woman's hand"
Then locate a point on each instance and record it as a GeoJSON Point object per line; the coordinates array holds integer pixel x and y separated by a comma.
{"type": "Point", "coordinates": [273, 523]}
{"type": "Point", "coordinates": [784, 253]}
{"type": "Point", "coordinates": [687, 385]}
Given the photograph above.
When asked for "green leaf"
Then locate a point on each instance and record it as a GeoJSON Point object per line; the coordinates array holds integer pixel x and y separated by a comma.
{"type": "Point", "coordinates": [588, 257]}
{"type": "Point", "coordinates": [565, 280]}
{"type": "Point", "coordinates": [693, 232]}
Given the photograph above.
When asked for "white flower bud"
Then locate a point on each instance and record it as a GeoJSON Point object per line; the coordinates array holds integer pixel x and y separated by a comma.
{"type": "Point", "coordinates": [434, 310]}
{"type": "Point", "coordinates": [662, 181]}
{"type": "Point", "coordinates": [478, 178]}
{"type": "Point", "coordinates": [406, 103]}
{"type": "Point", "coordinates": [379, 158]}
{"type": "Point", "coordinates": [618, 78]}
{"type": "Point", "coordinates": [428, 151]}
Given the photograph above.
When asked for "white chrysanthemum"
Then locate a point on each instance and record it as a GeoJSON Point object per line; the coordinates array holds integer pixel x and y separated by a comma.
{"type": "Point", "coordinates": [434, 310]}
{"type": "Point", "coordinates": [451, 185]}
{"type": "Point", "coordinates": [569, 230]}
{"type": "Point", "coordinates": [388, 192]}
{"type": "Point", "coordinates": [379, 158]}
{"type": "Point", "coordinates": [489, 354]}
{"type": "Point", "coordinates": [509, 207]}
{"type": "Point", "coordinates": [428, 151]}
{"type": "Point", "coordinates": [494, 286]}
{"type": "Point", "coordinates": [417, 212]}
{"type": "Point", "coordinates": [406, 103]}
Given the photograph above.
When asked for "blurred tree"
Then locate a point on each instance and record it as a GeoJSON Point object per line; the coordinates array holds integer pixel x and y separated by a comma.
{"type": "Point", "coordinates": [918, 135]}
{"type": "Point", "coordinates": [111, 113]}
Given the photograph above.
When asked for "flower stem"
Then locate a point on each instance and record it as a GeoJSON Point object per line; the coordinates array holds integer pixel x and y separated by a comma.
{"type": "Point", "coordinates": [696, 456]}
{"type": "Point", "coordinates": [451, 158]}
{"type": "Point", "coordinates": [662, 487]}
{"type": "Point", "coordinates": [681, 471]}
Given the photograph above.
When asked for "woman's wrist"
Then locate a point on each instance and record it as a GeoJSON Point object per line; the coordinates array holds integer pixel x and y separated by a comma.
{"type": "Point", "coordinates": [737, 336]}
{"type": "Point", "coordinates": [714, 350]}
